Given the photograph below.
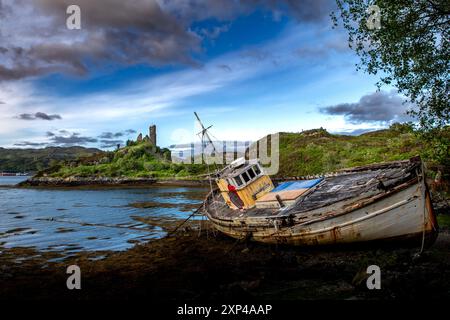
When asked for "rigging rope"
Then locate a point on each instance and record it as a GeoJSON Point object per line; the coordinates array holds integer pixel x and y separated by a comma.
{"type": "Point", "coordinates": [423, 192]}
{"type": "Point", "coordinates": [186, 220]}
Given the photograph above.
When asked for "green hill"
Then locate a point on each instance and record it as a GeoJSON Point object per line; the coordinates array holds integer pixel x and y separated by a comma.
{"type": "Point", "coordinates": [32, 160]}
{"type": "Point", "coordinates": [137, 160]}
{"type": "Point", "coordinates": [317, 151]}
{"type": "Point", "coordinates": [306, 153]}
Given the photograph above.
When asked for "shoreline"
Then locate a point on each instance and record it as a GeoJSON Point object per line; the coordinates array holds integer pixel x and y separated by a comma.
{"type": "Point", "coordinates": [200, 264]}
{"type": "Point", "coordinates": [80, 182]}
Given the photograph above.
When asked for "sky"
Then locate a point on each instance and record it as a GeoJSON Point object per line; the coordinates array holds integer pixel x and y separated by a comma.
{"type": "Point", "coordinates": [248, 68]}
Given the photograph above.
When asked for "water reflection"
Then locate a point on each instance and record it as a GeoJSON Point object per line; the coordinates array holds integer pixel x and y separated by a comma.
{"type": "Point", "coordinates": [73, 220]}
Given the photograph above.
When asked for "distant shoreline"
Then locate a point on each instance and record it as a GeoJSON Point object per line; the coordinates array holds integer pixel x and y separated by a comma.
{"type": "Point", "coordinates": [47, 182]}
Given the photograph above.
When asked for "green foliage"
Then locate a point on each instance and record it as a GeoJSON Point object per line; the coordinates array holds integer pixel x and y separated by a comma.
{"type": "Point", "coordinates": [131, 143]}
{"type": "Point", "coordinates": [137, 160]}
{"type": "Point", "coordinates": [410, 50]}
{"type": "Point", "coordinates": [19, 160]}
{"type": "Point", "coordinates": [444, 221]}
{"type": "Point", "coordinates": [438, 146]}
{"type": "Point", "coordinates": [312, 153]}
{"type": "Point", "coordinates": [309, 152]}
{"type": "Point", "coordinates": [407, 127]}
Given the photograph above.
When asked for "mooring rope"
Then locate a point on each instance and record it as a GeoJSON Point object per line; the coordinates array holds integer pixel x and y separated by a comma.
{"type": "Point", "coordinates": [186, 220]}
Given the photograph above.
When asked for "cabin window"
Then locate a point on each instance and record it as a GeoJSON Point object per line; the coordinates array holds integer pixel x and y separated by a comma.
{"type": "Point", "coordinates": [245, 176]}
{"type": "Point", "coordinates": [251, 173]}
{"type": "Point", "coordinates": [257, 171]}
{"type": "Point", "coordinates": [238, 181]}
{"type": "Point", "coordinates": [230, 181]}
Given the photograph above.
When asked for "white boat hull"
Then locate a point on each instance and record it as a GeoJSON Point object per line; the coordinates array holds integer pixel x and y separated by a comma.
{"type": "Point", "coordinates": [405, 213]}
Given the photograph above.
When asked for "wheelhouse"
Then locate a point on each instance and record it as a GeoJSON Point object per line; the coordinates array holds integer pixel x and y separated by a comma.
{"type": "Point", "coordinates": [242, 183]}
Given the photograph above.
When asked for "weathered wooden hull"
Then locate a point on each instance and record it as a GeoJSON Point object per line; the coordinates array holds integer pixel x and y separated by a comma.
{"type": "Point", "coordinates": [403, 212]}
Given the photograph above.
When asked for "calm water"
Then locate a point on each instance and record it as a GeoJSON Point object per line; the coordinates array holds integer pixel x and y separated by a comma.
{"type": "Point", "coordinates": [10, 181]}
{"type": "Point", "coordinates": [72, 220]}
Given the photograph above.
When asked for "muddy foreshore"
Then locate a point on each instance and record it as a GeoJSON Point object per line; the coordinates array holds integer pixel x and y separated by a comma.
{"type": "Point", "coordinates": [198, 264]}
{"type": "Point", "coordinates": [50, 182]}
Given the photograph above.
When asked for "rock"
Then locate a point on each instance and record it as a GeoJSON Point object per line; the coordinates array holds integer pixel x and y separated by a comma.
{"type": "Point", "coordinates": [245, 250]}
{"type": "Point", "coordinates": [85, 181]}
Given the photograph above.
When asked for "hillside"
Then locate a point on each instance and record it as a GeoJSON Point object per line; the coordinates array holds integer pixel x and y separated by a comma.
{"type": "Point", "coordinates": [317, 151]}
{"type": "Point", "coordinates": [306, 153]}
{"type": "Point", "coordinates": [138, 160]}
{"type": "Point", "coordinates": [32, 160]}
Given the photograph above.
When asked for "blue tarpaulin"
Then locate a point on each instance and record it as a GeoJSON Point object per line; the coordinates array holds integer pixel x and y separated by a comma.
{"type": "Point", "coordinates": [295, 185]}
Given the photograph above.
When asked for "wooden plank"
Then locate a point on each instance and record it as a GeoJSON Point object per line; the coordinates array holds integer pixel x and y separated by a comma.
{"type": "Point", "coordinates": [284, 195]}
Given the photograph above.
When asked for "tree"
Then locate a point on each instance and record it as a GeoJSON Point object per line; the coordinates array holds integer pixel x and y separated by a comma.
{"type": "Point", "coordinates": [410, 50]}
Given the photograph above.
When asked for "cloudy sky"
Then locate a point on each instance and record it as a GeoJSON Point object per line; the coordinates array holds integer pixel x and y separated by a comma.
{"type": "Point", "coordinates": [249, 68]}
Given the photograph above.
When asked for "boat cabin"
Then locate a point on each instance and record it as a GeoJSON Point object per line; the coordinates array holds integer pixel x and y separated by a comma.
{"type": "Point", "coordinates": [242, 183]}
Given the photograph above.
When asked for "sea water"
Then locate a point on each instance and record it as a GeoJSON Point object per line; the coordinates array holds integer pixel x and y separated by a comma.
{"type": "Point", "coordinates": [71, 220]}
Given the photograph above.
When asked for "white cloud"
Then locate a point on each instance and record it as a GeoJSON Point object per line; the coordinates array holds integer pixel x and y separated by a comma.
{"type": "Point", "coordinates": [160, 96]}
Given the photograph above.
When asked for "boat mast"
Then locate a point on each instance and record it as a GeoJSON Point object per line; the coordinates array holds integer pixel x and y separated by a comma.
{"type": "Point", "coordinates": [205, 133]}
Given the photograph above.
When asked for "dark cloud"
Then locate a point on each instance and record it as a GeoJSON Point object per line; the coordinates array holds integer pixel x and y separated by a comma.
{"type": "Point", "coordinates": [355, 132]}
{"type": "Point", "coordinates": [31, 144]}
{"type": "Point", "coordinates": [74, 139]}
{"type": "Point", "coordinates": [56, 139]}
{"type": "Point", "coordinates": [306, 10]}
{"type": "Point", "coordinates": [19, 72]}
{"type": "Point", "coordinates": [39, 116]}
{"type": "Point", "coordinates": [122, 32]}
{"type": "Point", "coordinates": [381, 107]}
{"type": "Point", "coordinates": [106, 143]}
{"type": "Point", "coordinates": [44, 116]}
{"type": "Point", "coordinates": [1, 102]}
{"type": "Point", "coordinates": [106, 135]}
{"type": "Point", "coordinates": [225, 10]}
{"type": "Point", "coordinates": [112, 135]}
{"type": "Point", "coordinates": [27, 116]}
{"type": "Point", "coordinates": [225, 67]}
{"type": "Point", "coordinates": [66, 138]}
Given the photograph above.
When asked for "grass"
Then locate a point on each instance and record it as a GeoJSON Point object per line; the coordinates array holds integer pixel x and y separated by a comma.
{"type": "Point", "coordinates": [317, 151]}
{"type": "Point", "coordinates": [444, 221]}
{"type": "Point", "coordinates": [137, 161]}
{"type": "Point", "coordinates": [306, 153]}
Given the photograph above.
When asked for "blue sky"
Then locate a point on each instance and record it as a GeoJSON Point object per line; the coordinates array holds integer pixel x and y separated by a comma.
{"type": "Point", "coordinates": [249, 69]}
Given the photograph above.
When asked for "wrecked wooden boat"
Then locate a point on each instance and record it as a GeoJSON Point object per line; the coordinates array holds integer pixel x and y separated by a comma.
{"type": "Point", "coordinates": [376, 202]}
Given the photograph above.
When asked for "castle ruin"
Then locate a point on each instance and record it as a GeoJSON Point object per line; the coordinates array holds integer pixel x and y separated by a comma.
{"type": "Point", "coordinates": [152, 134]}
{"type": "Point", "coordinates": [151, 137]}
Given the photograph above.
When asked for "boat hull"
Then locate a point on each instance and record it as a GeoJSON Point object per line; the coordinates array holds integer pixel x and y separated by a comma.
{"type": "Point", "coordinates": [403, 213]}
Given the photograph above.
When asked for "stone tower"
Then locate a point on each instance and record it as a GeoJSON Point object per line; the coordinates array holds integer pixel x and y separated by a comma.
{"type": "Point", "coordinates": [152, 134]}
